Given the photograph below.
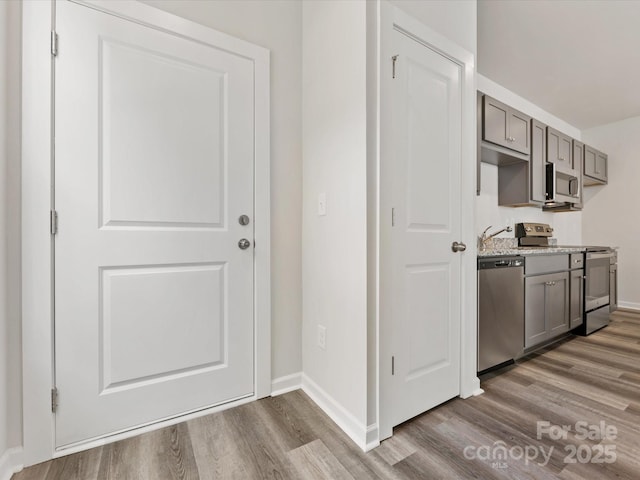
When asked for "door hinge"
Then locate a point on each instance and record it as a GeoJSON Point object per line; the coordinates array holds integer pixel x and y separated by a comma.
{"type": "Point", "coordinates": [54, 399]}
{"type": "Point", "coordinates": [54, 43]}
{"type": "Point", "coordinates": [53, 220]}
{"type": "Point", "coordinates": [393, 365]}
{"type": "Point", "coordinates": [393, 217]}
{"type": "Point", "coordinates": [393, 66]}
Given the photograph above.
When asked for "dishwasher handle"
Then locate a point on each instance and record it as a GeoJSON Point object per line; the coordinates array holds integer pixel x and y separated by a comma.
{"type": "Point", "coordinates": [509, 262]}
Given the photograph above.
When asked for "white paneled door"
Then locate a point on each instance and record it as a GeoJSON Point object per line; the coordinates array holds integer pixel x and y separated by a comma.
{"type": "Point", "coordinates": [425, 192]}
{"type": "Point", "coordinates": [154, 152]}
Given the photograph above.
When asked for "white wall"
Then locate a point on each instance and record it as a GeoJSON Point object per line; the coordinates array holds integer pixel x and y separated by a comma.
{"type": "Point", "coordinates": [611, 211]}
{"type": "Point", "coordinates": [567, 225]}
{"type": "Point", "coordinates": [276, 25]}
{"type": "Point", "coordinates": [455, 19]}
{"type": "Point", "coordinates": [10, 353]}
{"type": "Point", "coordinates": [334, 254]}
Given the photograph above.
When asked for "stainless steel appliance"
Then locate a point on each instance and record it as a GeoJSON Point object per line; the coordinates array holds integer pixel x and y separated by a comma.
{"type": "Point", "coordinates": [501, 310]}
{"type": "Point", "coordinates": [533, 234]}
{"type": "Point", "coordinates": [613, 282]}
{"type": "Point", "coordinates": [600, 267]}
{"type": "Point", "coordinates": [562, 185]}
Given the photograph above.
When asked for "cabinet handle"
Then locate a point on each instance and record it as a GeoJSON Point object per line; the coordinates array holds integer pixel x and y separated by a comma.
{"type": "Point", "coordinates": [549, 284]}
{"type": "Point", "coordinates": [561, 159]}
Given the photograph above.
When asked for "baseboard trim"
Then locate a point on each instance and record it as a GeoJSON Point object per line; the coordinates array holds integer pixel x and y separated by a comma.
{"type": "Point", "coordinates": [11, 462]}
{"type": "Point", "coordinates": [286, 384]}
{"type": "Point", "coordinates": [629, 306]}
{"type": "Point", "coordinates": [343, 418]}
{"type": "Point", "coordinates": [373, 437]}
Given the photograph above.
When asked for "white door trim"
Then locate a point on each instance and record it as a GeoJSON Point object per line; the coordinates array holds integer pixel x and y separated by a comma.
{"type": "Point", "coordinates": [393, 18]}
{"type": "Point", "coordinates": [37, 180]}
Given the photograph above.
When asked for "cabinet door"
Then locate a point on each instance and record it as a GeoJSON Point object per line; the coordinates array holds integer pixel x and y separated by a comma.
{"type": "Point", "coordinates": [535, 326]}
{"type": "Point", "coordinates": [559, 149]}
{"type": "Point", "coordinates": [557, 303]}
{"type": "Point", "coordinates": [590, 161]}
{"type": "Point", "coordinates": [578, 158]}
{"type": "Point", "coordinates": [601, 166]}
{"type": "Point", "coordinates": [576, 298]}
{"type": "Point", "coordinates": [595, 166]}
{"type": "Point", "coordinates": [538, 161]}
{"type": "Point", "coordinates": [495, 122]}
{"type": "Point", "coordinates": [505, 126]}
{"type": "Point", "coordinates": [518, 131]}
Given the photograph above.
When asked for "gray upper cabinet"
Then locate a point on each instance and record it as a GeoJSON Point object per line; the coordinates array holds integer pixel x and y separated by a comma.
{"type": "Point", "coordinates": [523, 183]}
{"type": "Point", "coordinates": [578, 160]}
{"type": "Point", "coordinates": [595, 167]}
{"type": "Point", "coordinates": [538, 162]}
{"type": "Point", "coordinates": [505, 126]}
{"type": "Point", "coordinates": [559, 149]}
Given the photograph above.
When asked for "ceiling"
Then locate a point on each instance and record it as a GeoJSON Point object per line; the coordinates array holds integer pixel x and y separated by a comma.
{"type": "Point", "coordinates": [578, 60]}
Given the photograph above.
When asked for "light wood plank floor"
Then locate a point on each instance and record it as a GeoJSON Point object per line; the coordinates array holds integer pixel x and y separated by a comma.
{"type": "Point", "coordinates": [591, 379]}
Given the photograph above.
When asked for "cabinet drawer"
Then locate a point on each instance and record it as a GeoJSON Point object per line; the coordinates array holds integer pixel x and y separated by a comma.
{"type": "Point", "coordinates": [545, 264]}
{"type": "Point", "coordinates": [576, 260]}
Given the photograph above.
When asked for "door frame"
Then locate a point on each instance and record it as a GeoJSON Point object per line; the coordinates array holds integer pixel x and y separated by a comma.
{"type": "Point", "coordinates": [392, 18]}
{"type": "Point", "coordinates": [38, 21]}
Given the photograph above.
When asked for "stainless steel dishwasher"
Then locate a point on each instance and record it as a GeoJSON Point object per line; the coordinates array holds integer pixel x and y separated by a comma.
{"type": "Point", "coordinates": [501, 310]}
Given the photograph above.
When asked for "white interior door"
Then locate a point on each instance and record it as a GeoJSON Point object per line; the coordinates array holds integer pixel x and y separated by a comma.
{"type": "Point", "coordinates": [427, 219]}
{"type": "Point", "coordinates": [153, 167]}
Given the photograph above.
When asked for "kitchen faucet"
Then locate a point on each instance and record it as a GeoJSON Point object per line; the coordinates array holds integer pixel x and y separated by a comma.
{"type": "Point", "coordinates": [484, 238]}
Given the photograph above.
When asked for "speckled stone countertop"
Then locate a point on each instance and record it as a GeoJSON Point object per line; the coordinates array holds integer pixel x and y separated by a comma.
{"type": "Point", "coordinates": [499, 247]}
{"type": "Point", "coordinates": [501, 252]}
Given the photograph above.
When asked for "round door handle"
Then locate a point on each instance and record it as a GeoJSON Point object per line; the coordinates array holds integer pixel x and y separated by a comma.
{"type": "Point", "coordinates": [458, 247]}
{"type": "Point", "coordinates": [244, 244]}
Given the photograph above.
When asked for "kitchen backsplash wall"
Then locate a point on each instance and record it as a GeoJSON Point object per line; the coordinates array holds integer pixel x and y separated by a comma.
{"type": "Point", "coordinates": [567, 225]}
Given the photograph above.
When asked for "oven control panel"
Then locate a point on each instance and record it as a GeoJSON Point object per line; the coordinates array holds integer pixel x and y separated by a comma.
{"type": "Point", "coordinates": [533, 230]}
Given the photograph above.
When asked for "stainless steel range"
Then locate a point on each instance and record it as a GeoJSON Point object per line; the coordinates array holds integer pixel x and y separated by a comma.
{"type": "Point", "coordinates": [600, 277]}
{"type": "Point", "coordinates": [599, 288]}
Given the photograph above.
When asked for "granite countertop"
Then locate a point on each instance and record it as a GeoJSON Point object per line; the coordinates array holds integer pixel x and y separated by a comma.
{"type": "Point", "coordinates": [505, 251]}
{"type": "Point", "coordinates": [499, 247]}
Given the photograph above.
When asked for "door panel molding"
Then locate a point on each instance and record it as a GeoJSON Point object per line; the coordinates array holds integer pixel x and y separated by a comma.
{"type": "Point", "coordinates": [37, 201]}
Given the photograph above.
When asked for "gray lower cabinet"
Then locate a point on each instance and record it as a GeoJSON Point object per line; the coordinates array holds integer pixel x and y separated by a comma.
{"type": "Point", "coordinates": [576, 296]}
{"type": "Point", "coordinates": [546, 307]}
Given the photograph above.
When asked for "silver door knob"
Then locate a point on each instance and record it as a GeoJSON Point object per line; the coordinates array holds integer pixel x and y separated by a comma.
{"type": "Point", "coordinates": [244, 244]}
{"type": "Point", "coordinates": [458, 247]}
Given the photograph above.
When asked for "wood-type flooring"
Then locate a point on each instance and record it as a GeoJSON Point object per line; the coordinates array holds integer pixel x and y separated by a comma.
{"type": "Point", "coordinates": [570, 411]}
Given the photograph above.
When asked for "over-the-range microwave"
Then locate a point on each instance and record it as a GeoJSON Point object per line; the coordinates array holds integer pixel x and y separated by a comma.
{"type": "Point", "coordinates": [562, 185]}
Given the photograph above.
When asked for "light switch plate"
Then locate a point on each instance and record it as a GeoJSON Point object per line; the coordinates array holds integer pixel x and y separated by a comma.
{"type": "Point", "coordinates": [322, 337]}
{"type": "Point", "coordinates": [322, 204]}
